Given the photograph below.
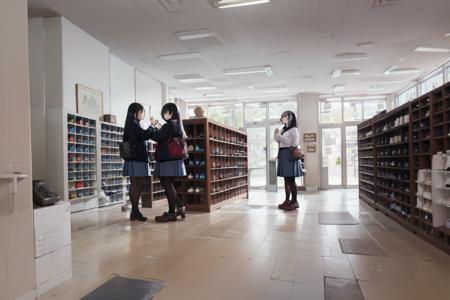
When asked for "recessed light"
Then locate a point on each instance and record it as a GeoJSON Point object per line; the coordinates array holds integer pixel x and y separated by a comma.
{"type": "Point", "coordinates": [235, 3]}
{"type": "Point", "coordinates": [180, 56]}
{"type": "Point", "coordinates": [205, 88]}
{"type": "Point", "coordinates": [280, 90]}
{"type": "Point", "coordinates": [396, 70]}
{"type": "Point", "coordinates": [190, 78]}
{"type": "Point", "coordinates": [194, 34]}
{"type": "Point", "coordinates": [432, 50]}
{"type": "Point", "coordinates": [214, 95]}
{"type": "Point", "coordinates": [351, 56]}
{"type": "Point", "coordinates": [338, 87]}
{"type": "Point", "coordinates": [336, 73]}
{"type": "Point", "coordinates": [250, 70]}
{"type": "Point", "coordinates": [365, 44]}
{"type": "Point", "coordinates": [351, 72]}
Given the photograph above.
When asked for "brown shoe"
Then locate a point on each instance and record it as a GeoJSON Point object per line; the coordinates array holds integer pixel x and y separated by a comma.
{"type": "Point", "coordinates": [286, 203]}
{"type": "Point", "coordinates": [291, 207]}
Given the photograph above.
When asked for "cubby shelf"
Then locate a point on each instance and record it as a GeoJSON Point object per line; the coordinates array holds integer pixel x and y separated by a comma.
{"type": "Point", "coordinates": [406, 137]}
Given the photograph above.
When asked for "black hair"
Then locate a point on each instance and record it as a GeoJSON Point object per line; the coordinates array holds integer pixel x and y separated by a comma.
{"type": "Point", "coordinates": [133, 109]}
{"type": "Point", "coordinates": [173, 109]}
{"type": "Point", "coordinates": [292, 120]}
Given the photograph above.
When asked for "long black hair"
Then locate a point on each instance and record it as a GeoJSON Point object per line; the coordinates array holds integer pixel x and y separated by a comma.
{"type": "Point", "coordinates": [173, 109]}
{"type": "Point", "coordinates": [292, 120]}
{"type": "Point", "coordinates": [133, 109]}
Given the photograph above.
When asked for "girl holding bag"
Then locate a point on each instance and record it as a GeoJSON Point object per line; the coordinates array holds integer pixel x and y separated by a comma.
{"type": "Point", "coordinates": [288, 165]}
{"type": "Point", "coordinates": [169, 155]}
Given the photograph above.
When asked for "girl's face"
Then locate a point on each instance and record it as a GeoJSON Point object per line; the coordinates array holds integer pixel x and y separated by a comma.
{"type": "Point", "coordinates": [167, 116]}
{"type": "Point", "coordinates": [140, 115]}
{"type": "Point", "coordinates": [284, 119]}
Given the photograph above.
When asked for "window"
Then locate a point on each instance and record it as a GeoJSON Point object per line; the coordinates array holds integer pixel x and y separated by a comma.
{"type": "Point", "coordinates": [447, 74]}
{"type": "Point", "coordinates": [431, 83]}
{"type": "Point", "coordinates": [222, 114]}
{"type": "Point", "coordinates": [407, 96]}
{"type": "Point", "coordinates": [277, 108]}
{"type": "Point", "coordinates": [239, 116]}
{"type": "Point", "coordinates": [372, 108]}
{"type": "Point", "coordinates": [255, 112]}
{"type": "Point", "coordinates": [330, 112]}
{"type": "Point", "coordinates": [352, 111]}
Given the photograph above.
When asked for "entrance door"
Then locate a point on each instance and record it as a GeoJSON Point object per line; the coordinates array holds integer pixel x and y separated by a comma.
{"type": "Point", "coordinates": [257, 156]}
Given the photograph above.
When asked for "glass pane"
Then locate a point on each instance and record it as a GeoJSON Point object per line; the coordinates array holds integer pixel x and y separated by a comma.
{"type": "Point", "coordinates": [352, 155]}
{"type": "Point", "coordinates": [239, 116]}
{"type": "Point", "coordinates": [372, 108]}
{"type": "Point", "coordinates": [273, 146]}
{"type": "Point", "coordinates": [255, 112]}
{"type": "Point", "coordinates": [447, 70]}
{"type": "Point", "coordinates": [257, 156]}
{"type": "Point", "coordinates": [330, 112]}
{"type": "Point", "coordinates": [407, 96]}
{"type": "Point", "coordinates": [277, 108]}
{"type": "Point", "coordinates": [331, 154]}
{"type": "Point", "coordinates": [431, 83]}
{"type": "Point", "coordinates": [222, 114]}
{"type": "Point", "coordinates": [352, 111]}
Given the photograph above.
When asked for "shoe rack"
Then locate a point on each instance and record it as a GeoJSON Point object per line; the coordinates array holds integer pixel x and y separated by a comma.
{"type": "Point", "coordinates": [112, 180]}
{"type": "Point", "coordinates": [400, 144]}
{"type": "Point", "coordinates": [153, 190]}
{"type": "Point", "coordinates": [217, 167]}
{"type": "Point", "coordinates": [82, 184]}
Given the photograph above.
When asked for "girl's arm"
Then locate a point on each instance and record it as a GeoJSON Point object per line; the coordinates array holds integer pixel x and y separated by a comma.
{"type": "Point", "coordinates": [162, 134]}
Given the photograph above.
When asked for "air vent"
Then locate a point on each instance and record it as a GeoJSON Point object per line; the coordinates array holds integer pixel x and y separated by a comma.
{"type": "Point", "coordinates": [176, 6]}
{"type": "Point", "coordinates": [383, 3]}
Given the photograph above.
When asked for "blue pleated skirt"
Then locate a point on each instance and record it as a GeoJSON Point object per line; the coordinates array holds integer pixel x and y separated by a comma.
{"type": "Point", "coordinates": [170, 168]}
{"type": "Point", "coordinates": [135, 168]}
{"type": "Point", "coordinates": [287, 167]}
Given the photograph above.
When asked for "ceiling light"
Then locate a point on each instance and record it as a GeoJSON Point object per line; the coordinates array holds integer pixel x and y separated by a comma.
{"type": "Point", "coordinates": [326, 96]}
{"type": "Point", "coordinates": [432, 50]}
{"type": "Point", "coordinates": [372, 97]}
{"type": "Point", "coordinates": [351, 56]}
{"type": "Point", "coordinates": [275, 90]}
{"type": "Point", "coordinates": [180, 56]}
{"type": "Point", "coordinates": [396, 70]}
{"type": "Point", "coordinates": [447, 34]}
{"type": "Point", "coordinates": [251, 70]}
{"type": "Point", "coordinates": [365, 44]}
{"type": "Point", "coordinates": [235, 3]}
{"type": "Point", "coordinates": [351, 72]}
{"type": "Point", "coordinates": [214, 95]}
{"type": "Point", "coordinates": [194, 34]}
{"type": "Point", "coordinates": [190, 78]}
{"type": "Point", "coordinates": [339, 87]}
{"type": "Point", "coordinates": [336, 73]}
{"type": "Point", "coordinates": [205, 88]}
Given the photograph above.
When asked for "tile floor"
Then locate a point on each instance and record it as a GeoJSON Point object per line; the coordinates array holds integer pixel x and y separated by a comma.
{"type": "Point", "coordinates": [251, 250]}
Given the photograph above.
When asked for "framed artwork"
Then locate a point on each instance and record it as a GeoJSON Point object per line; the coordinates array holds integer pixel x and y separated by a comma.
{"type": "Point", "coordinates": [309, 137]}
{"type": "Point", "coordinates": [89, 101]}
{"type": "Point", "coordinates": [311, 149]}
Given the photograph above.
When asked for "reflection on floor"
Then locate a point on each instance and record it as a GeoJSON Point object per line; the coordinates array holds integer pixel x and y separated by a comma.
{"type": "Point", "coordinates": [251, 250]}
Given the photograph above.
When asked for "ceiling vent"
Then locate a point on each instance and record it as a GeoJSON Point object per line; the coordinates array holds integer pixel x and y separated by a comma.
{"type": "Point", "coordinates": [176, 6]}
{"type": "Point", "coordinates": [383, 3]}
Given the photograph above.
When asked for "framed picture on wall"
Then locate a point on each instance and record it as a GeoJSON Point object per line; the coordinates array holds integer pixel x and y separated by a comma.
{"type": "Point", "coordinates": [89, 101]}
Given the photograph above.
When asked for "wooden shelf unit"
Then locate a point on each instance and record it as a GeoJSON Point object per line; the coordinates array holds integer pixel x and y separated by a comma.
{"type": "Point", "coordinates": [402, 142]}
{"type": "Point", "coordinates": [217, 166]}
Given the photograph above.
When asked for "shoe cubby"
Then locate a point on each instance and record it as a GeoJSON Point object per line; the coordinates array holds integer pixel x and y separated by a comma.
{"type": "Point", "coordinates": [153, 190]}
{"type": "Point", "coordinates": [217, 167]}
{"type": "Point", "coordinates": [395, 152]}
{"type": "Point", "coordinates": [81, 157]}
{"type": "Point", "coordinates": [112, 180]}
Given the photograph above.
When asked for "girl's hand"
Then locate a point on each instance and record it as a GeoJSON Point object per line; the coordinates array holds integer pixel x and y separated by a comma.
{"type": "Point", "coordinates": [277, 131]}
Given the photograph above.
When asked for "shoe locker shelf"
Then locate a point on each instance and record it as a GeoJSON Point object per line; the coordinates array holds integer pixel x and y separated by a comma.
{"type": "Point", "coordinates": [217, 166]}
{"type": "Point", "coordinates": [81, 183]}
{"type": "Point", "coordinates": [153, 190]}
{"type": "Point", "coordinates": [392, 147]}
{"type": "Point", "coordinates": [112, 181]}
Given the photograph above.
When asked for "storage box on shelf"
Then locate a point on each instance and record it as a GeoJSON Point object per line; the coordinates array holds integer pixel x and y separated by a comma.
{"type": "Point", "coordinates": [217, 165]}
{"type": "Point", "coordinates": [112, 181]}
{"type": "Point", "coordinates": [81, 162]}
{"type": "Point", "coordinates": [404, 140]}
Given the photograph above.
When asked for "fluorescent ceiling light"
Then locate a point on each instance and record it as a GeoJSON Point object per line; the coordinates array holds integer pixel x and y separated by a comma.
{"type": "Point", "coordinates": [351, 72]}
{"type": "Point", "coordinates": [214, 95]}
{"type": "Point", "coordinates": [326, 96]}
{"type": "Point", "coordinates": [275, 90]}
{"type": "Point", "coordinates": [192, 80]}
{"type": "Point", "coordinates": [205, 88]}
{"type": "Point", "coordinates": [235, 3]}
{"type": "Point", "coordinates": [351, 56]}
{"type": "Point", "coordinates": [194, 34]}
{"type": "Point", "coordinates": [336, 73]}
{"type": "Point", "coordinates": [396, 70]}
{"type": "Point", "coordinates": [251, 70]}
{"type": "Point", "coordinates": [373, 97]}
{"type": "Point", "coordinates": [180, 56]}
{"type": "Point", "coordinates": [365, 44]}
{"type": "Point", "coordinates": [339, 87]}
{"type": "Point", "coordinates": [432, 50]}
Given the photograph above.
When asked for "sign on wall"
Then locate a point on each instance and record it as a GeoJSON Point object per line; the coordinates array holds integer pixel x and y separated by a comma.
{"type": "Point", "coordinates": [309, 137]}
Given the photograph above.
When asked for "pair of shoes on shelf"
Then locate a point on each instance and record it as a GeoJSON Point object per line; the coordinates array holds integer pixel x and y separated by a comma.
{"type": "Point", "coordinates": [166, 217]}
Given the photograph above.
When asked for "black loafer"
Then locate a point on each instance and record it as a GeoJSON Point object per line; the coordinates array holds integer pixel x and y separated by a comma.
{"type": "Point", "coordinates": [166, 217]}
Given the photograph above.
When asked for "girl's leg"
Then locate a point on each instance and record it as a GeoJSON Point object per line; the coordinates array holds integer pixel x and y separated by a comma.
{"type": "Point", "coordinates": [171, 193]}
{"type": "Point", "coordinates": [287, 191]}
{"type": "Point", "coordinates": [137, 186]}
{"type": "Point", "coordinates": [293, 188]}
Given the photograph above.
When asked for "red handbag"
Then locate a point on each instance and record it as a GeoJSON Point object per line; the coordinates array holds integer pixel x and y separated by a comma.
{"type": "Point", "coordinates": [177, 148]}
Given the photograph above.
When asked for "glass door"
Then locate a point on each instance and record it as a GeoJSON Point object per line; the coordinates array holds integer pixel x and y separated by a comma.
{"type": "Point", "coordinates": [331, 164]}
{"type": "Point", "coordinates": [351, 156]}
{"type": "Point", "coordinates": [257, 156]}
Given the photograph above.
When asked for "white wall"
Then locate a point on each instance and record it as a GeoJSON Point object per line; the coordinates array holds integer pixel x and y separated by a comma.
{"type": "Point", "coordinates": [122, 88]}
{"type": "Point", "coordinates": [86, 61]}
{"type": "Point", "coordinates": [309, 123]}
{"type": "Point", "coordinates": [149, 92]}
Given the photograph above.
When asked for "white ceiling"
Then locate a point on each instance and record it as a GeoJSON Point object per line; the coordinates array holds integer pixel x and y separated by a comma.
{"type": "Point", "coordinates": [298, 38]}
